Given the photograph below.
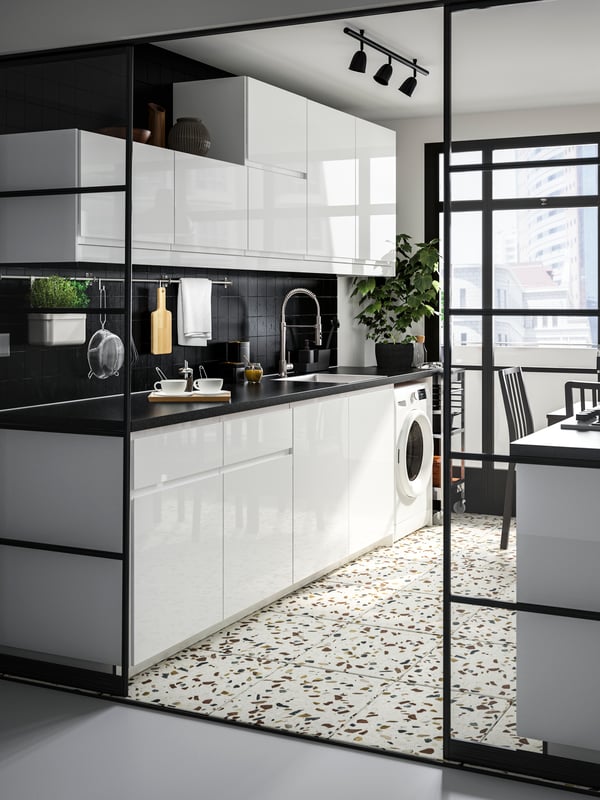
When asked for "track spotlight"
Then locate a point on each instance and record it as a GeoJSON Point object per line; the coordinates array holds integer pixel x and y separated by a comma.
{"type": "Point", "coordinates": [359, 59]}
{"type": "Point", "coordinates": [384, 73]}
{"type": "Point", "coordinates": [410, 84]}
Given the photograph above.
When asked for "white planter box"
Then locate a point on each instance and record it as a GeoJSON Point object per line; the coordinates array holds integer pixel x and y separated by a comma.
{"type": "Point", "coordinates": [53, 329]}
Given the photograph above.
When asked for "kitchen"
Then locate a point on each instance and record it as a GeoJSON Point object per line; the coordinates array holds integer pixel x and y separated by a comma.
{"type": "Point", "coordinates": [147, 379]}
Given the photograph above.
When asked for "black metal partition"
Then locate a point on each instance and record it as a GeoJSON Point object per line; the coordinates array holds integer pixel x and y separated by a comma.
{"type": "Point", "coordinates": [483, 321]}
{"type": "Point", "coordinates": [42, 583]}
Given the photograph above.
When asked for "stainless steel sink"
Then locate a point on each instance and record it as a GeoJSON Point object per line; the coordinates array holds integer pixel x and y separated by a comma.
{"type": "Point", "coordinates": [328, 377]}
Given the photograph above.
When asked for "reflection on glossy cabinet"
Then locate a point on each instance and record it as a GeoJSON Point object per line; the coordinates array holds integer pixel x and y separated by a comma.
{"type": "Point", "coordinates": [257, 501]}
{"type": "Point", "coordinates": [177, 565]}
{"type": "Point", "coordinates": [276, 126]}
{"type": "Point", "coordinates": [331, 182]}
{"type": "Point", "coordinates": [376, 192]}
{"type": "Point", "coordinates": [320, 485]}
{"type": "Point", "coordinates": [371, 467]}
{"type": "Point", "coordinates": [211, 205]}
{"type": "Point", "coordinates": [153, 196]}
{"type": "Point", "coordinates": [277, 212]}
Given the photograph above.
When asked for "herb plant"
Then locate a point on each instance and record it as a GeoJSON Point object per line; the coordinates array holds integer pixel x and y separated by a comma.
{"type": "Point", "coordinates": [58, 292]}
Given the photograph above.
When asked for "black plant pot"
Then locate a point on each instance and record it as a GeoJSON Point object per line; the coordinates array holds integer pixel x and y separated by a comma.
{"type": "Point", "coordinates": [395, 358]}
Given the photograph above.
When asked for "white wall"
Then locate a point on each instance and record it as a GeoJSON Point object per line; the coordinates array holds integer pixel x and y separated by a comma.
{"type": "Point", "coordinates": [43, 24]}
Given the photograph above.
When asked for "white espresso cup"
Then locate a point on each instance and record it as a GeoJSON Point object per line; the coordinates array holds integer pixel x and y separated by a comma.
{"type": "Point", "coordinates": [175, 386]}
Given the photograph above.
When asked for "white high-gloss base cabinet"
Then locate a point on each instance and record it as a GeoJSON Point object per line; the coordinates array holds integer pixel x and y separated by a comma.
{"type": "Point", "coordinates": [320, 485]}
{"type": "Point", "coordinates": [331, 182]}
{"type": "Point", "coordinates": [257, 532]}
{"type": "Point", "coordinates": [177, 564]}
{"type": "Point", "coordinates": [276, 212]}
{"type": "Point", "coordinates": [371, 467]}
{"type": "Point", "coordinates": [211, 204]}
{"type": "Point", "coordinates": [376, 192]}
{"type": "Point", "coordinates": [558, 560]}
{"type": "Point", "coordinates": [249, 121]}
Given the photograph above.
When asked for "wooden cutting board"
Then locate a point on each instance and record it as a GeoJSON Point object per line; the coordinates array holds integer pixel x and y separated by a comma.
{"type": "Point", "coordinates": [161, 322]}
{"type": "Point", "coordinates": [195, 397]}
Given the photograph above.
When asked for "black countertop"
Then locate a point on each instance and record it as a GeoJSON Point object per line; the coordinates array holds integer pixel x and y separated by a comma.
{"type": "Point", "coordinates": [104, 416]}
{"type": "Point", "coordinates": [556, 446]}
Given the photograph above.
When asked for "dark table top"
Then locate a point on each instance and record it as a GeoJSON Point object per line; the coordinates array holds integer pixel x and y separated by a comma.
{"type": "Point", "coordinates": [105, 416]}
{"type": "Point", "coordinates": [555, 445]}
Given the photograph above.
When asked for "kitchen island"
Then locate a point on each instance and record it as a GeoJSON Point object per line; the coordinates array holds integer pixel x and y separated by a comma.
{"type": "Point", "coordinates": [558, 561]}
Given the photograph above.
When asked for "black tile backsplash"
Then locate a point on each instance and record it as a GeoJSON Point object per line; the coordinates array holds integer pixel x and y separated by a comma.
{"type": "Point", "coordinates": [248, 309]}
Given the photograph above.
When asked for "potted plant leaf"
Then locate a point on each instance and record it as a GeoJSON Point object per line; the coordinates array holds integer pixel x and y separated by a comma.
{"type": "Point", "coordinates": [389, 306]}
{"type": "Point", "coordinates": [48, 327]}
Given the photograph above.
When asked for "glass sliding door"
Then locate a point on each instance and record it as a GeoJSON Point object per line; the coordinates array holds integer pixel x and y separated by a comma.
{"type": "Point", "coordinates": [519, 203]}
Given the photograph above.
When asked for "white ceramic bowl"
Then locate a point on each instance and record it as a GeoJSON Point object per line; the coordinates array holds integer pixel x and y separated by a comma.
{"type": "Point", "coordinates": [208, 385]}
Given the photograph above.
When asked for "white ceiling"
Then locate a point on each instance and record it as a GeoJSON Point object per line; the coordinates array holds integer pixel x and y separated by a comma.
{"type": "Point", "coordinates": [540, 54]}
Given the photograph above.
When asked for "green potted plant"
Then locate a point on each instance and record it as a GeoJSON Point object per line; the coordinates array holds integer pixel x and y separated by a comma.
{"type": "Point", "coordinates": [389, 306]}
{"type": "Point", "coordinates": [48, 327]}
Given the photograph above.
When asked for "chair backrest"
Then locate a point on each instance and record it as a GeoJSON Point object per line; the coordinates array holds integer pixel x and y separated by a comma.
{"type": "Point", "coordinates": [589, 396]}
{"type": "Point", "coordinates": [516, 405]}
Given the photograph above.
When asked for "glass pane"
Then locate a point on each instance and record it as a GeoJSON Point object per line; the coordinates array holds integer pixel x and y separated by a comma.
{"type": "Point", "coordinates": [549, 330]}
{"type": "Point", "coordinates": [546, 258]}
{"type": "Point", "coordinates": [463, 185]}
{"type": "Point", "coordinates": [555, 181]}
{"type": "Point", "coordinates": [466, 247]}
{"type": "Point", "coordinates": [552, 152]}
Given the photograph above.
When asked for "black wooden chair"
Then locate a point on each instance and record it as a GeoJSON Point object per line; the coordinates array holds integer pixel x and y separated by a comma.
{"type": "Point", "coordinates": [520, 423]}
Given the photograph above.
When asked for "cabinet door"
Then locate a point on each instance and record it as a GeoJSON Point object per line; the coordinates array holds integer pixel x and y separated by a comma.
{"type": "Point", "coordinates": [257, 532]}
{"type": "Point", "coordinates": [275, 126]}
{"type": "Point", "coordinates": [153, 196]}
{"type": "Point", "coordinates": [101, 162]}
{"type": "Point", "coordinates": [376, 192]}
{"type": "Point", "coordinates": [371, 467]}
{"type": "Point", "coordinates": [277, 212]}
{"type": "Point", "coordinates": [331, 182]}
{"type": "Point", "coordinates": [211, 204]}
{"type": "Point", "coordinates": [177, 565]}
{"type": "Point", "coordinates": [320, 485]}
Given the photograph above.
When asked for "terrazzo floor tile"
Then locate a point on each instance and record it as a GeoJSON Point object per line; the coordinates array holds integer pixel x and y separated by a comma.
{"type": "Point", "coordinates": [384, 653]}
{"type": "Point", "coordinates": [409, 719]}
{"type": "Point", "coordinates": [472, 578]}
{"type": "Point", "coordinates": [196, 681]}
{"type": "Point", "coordinates": [486, 667]}
{"type": "Point", "coordinates": [414, 611]}
{"type": "Point", "coordinates": [302, 699]}
{"type": "Point", "coordinates": [504, 734]}
{"type": "Point", "coordinates": [332, 601]}
{"type": "Point", "coordinates": [269, 634]}
{"type": "Point", "coordinates": [485, 625]}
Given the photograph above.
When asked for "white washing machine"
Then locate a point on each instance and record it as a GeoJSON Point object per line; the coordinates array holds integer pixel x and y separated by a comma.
{"type": "Point", "coordinates": [414, 457]}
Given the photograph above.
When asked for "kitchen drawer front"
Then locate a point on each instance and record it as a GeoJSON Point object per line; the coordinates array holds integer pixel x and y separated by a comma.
{"type": "Point", "coordinates": [175, 453]}
{"type": "Point", "coordinates": [249, 436]}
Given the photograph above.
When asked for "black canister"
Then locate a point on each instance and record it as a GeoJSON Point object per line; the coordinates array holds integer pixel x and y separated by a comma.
{"type": "Point", "coordinates": [238, 352]}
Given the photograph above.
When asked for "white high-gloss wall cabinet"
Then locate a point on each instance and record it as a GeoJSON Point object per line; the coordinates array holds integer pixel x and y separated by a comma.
{"type": "Point", "coordinates": [72, 227]}
{"type": "Point", "coordinates": [376, 192]}
{"type": "Point", "coordinates": [276, 212]}
{"type": "Point", "coordinates": [249, 121]}
{"type": "Point", "coordinates": [558, 559]}
{"type": "Point", "coordinates": [211, 204]}
{"type": "Point", "coordinates": [331, 182]}
{"type": "Point", "coordinates": [60, 603]}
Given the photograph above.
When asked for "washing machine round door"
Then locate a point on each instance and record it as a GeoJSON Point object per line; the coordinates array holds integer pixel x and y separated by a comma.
{"type": "Point", "coordinates": [414, 454]}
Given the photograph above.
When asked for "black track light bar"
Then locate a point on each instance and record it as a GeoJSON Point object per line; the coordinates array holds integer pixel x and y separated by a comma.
{"type": "Point", "coordinates": [386, 51]}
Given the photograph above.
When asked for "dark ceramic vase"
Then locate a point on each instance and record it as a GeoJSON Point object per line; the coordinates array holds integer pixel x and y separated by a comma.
{"type": "Point", "coordinates": [396, 358]}
{"type": "Point", "coordinates": [189, 135]}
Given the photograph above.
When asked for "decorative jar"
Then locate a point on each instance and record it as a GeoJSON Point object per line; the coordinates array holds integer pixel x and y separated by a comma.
{"type": "Point", "coordinates": [189, 135]}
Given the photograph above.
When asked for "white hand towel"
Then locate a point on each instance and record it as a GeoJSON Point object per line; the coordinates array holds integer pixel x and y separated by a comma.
{"type": "Point", "coordinates": [194, 326]}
